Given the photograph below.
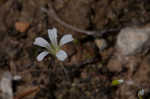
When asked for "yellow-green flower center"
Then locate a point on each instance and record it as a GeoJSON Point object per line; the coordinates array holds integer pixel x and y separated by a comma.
{"type": "Point", "coordinates": [54, 49]}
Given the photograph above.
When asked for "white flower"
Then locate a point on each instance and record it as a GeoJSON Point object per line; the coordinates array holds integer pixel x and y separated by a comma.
{"type": "Point", "coordinates": [117, 82]}
{"type": "Point", "coordinates": [141, 92]}
{"type": "Point", "coordinates": [53, 48]}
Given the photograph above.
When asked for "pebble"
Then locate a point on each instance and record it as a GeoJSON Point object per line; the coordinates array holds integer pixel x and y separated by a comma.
{"type": "Point", "coordinates": [133, 40]}
{"type": "Point", "coordinates": [101, 44]}
{"type": "Point", "coordinates": [22, 26]}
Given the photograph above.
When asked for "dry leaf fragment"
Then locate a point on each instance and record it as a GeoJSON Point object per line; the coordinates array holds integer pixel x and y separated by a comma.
{"type": "Point", "coordinates": [22, 26]}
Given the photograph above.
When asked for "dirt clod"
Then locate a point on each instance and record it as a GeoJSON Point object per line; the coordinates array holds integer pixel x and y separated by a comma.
{"type": "Point", "coordinates": [91, 66]}
{"type": "Point", "coordinates": [22, 26]}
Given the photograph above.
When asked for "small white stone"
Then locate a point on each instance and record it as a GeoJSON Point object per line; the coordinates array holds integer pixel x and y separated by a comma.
{"type": "Point", "coordinates": [6, 86]}
{"type": "Point", "coordinates": [17, 77]}
{"type": "Point", "coordinates": [101, 44]}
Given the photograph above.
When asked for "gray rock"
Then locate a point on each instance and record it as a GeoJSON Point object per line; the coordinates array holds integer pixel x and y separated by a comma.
{"type": "Point", "coordinates": [132, 40]}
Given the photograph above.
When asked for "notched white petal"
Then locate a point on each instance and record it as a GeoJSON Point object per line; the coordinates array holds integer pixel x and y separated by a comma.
{"type": "Point", "coordinates": [66, 39]}
{"type": "Point", "coordinates": [41, 56]}
{"type": "Point", "coordinates": [41, 42]}
{"type": "Point", "coordinates": [61, 55]}
{"type": "Point", "coordinates": [52, 33]}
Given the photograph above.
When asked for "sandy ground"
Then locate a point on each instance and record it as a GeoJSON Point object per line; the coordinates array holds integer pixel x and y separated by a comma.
{"type": "Point", "coordinates": [88, 71]}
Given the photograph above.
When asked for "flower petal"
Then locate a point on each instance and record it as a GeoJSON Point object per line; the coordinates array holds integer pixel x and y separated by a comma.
{"type": "Point", "coordinates": [61, 55]}
{"type": "Point", "coordinates": [52, 33]}
{"type": "Point", "coordinates": [41, 56]}
{"type": "Point", "coordinates": [66, 39]}
{"type": "Point", "coordinates": [41, 42]}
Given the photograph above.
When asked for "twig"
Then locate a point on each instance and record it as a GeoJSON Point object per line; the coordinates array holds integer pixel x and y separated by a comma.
{"type": "Point", "coordinates": [27, 93]}
{"type": "Point", "coordinates": [51, 12]}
